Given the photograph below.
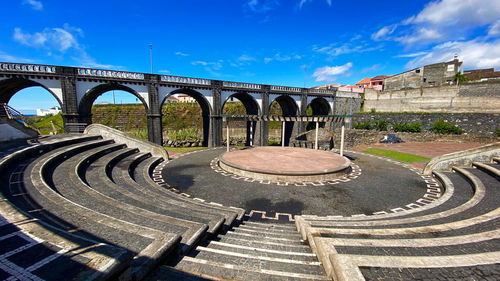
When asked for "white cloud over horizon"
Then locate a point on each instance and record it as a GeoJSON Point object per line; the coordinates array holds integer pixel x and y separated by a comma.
{"type": "Point", "coordinates": [473, 53]}
{"type": "Point", "coordinates": [329, 73]}
{"type": "Point", "coordinates": [60, 41]}
{"type": "Point", "coordinates": [443, 20]}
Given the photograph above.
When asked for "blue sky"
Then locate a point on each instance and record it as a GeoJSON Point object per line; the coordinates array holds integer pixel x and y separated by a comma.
{"type": "Point", "coordinates": [255, 41]}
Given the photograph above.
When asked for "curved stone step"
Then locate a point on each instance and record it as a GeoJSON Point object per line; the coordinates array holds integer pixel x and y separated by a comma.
{"type": "Point", "coordinates": [121, 190]}
{"type": "Point", "coordinates": [266, 234]}
{"type": "Point", "coordinates": [40, 250]}
{"type": "Point", "coordinates": [463, 197]}
{"type": "Point", "coordinates": [141, 175]}
{"type": "Point", "coordinates": [492, 169]}
{"type": "Point", "coordinates": [254, 237]}
{"type": "Point", "coordinates": [60, 212]}
{"type": "Point", "coordinates": [255, 260]}
{"type": "Point", "coordinates": [237, 248]}
{"type": "Point", "coordinates": [77, 191]}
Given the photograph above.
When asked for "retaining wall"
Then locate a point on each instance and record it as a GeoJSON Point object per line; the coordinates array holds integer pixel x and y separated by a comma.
{"type": "Point", "coordinates": [481, 124]}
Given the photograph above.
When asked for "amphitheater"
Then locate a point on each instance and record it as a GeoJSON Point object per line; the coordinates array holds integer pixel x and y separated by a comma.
{"type": "Point", "coordinates": [100, 206]}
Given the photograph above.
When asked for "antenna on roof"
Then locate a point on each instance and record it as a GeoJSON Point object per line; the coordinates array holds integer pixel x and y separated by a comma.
{"type": "Point", "coordinates": [455, 57]}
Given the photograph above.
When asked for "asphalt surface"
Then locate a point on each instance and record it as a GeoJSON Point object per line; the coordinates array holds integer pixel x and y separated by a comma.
{"type": "Point", "coordinates": [381, 186]}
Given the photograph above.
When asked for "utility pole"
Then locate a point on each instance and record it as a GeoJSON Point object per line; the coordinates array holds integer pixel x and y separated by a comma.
{"type": "Point", "coordinates": [151, 56]}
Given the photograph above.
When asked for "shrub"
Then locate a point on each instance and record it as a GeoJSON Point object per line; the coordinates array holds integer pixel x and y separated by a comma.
{"type": "Point", "coordinates": [381, 125]}
{"type": "Point", "coordinates": [497, 133]}
{"type": "Point", "coordinates": [413, 127]}
{"type": "Point", "coordinates": [184, 134]}
{"type": "Point", "coordinates": [373, 110]}
{"type": "Point", "coordinates": [362, 125]}
{"type": "Point", "coordinates": [445, 128]}
{"type": "Point", "coordinates": [274, 143]}
{"type": "Point", "coordinates": [140, 134]}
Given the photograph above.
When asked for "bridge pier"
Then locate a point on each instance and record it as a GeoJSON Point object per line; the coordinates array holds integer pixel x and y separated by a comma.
{"type": "Point", "coordinates": [261, 129]}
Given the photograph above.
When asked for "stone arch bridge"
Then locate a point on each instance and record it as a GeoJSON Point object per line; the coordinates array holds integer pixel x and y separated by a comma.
{"type": "Point", "coordinates": [77, 88]}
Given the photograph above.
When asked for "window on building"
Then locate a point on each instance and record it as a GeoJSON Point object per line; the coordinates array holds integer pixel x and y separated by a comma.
{"type": "Point", "coordinates": [417, 71]}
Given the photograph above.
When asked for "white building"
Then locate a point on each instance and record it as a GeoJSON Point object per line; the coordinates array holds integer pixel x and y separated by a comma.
{"type": "Point", "coordinates": [42, 112]}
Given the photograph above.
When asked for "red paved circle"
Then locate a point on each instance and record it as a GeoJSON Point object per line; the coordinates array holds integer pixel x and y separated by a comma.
{"type": "Point", "coordinates": [285, 160]}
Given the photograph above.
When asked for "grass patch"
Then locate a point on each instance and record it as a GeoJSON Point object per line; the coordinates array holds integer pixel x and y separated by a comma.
{"type": "Point", "coordinates": [404, 157]}
{"type": "Point", "coordinates": [181, 150]}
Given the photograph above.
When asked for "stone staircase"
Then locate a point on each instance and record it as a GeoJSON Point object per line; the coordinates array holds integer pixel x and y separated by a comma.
{"type": "Point", "coordinates": [250, 251]}
{"type": "Point", "coordinates": [458, 238]}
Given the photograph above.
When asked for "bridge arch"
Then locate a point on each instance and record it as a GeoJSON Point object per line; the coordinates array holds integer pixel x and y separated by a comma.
{"type": "Point", "coordinates": [9, 87]}
{"type": "Point", "coordinates": [318, 106]}
{"type": "Point", "coordinates": [251, 108]}
{"type": "Point", "coordinates": [206, 109]}
{"type": "Point", "coordinates": [85, 105]}
{"type": "Point", "coordinates": [289, 108]}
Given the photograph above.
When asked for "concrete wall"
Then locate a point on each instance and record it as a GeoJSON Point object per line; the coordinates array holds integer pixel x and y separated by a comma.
{"type": "Point", "coordinates": [481, 97]}
{"type": "Point", "coordinates": [430, 75]}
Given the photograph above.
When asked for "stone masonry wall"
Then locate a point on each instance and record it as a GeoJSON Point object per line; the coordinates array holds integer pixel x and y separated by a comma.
{"type": "Point", "coordinates": [480, 124]}
{"type": "Point", "coordinates": [481, 97]}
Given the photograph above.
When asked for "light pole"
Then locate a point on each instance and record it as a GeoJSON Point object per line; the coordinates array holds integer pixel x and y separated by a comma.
{"type": "Point", "coordinates": [305, 74]}
{"type": "Point", "coordinates": [151, 56]}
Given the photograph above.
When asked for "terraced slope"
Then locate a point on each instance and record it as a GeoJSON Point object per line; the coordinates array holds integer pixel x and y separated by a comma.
{"type": "Point", "coordinates": [457, 238]}
{"type": "Point", "coordinates": [64, 215]}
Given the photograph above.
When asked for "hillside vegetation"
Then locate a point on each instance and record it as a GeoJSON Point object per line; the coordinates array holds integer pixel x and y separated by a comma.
{"type": "Point", "coordinates": [132, 118]}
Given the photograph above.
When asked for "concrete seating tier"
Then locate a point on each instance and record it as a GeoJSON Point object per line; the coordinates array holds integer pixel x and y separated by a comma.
{"type": "Point", "coordinates": [101, 195]}
{"type": "Point", "coordinates": [97, 177]}
{"type": "Point", "coordinates": [125, 192]}
{"type": "Point", "coordinates": [457, 238]}
{"type": "Point", "coordinates": [79, 192]}
{"type": "Point", "coordinates": [251, 251]}
{"type": "Point", "coordinates": [36, 249]}
{"type": "Point", "coordinates": [141, 173]}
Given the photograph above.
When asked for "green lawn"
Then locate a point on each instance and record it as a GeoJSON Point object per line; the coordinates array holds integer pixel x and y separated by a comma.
{"type": "Point", "coordinates": [404, 157]}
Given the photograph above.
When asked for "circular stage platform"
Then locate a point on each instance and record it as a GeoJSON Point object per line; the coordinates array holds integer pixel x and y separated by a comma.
{"type": "Point", "coordinates": [285, 164]}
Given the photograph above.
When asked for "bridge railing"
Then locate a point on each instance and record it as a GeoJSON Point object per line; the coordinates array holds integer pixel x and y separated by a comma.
{"type": "Point", "coordinates": [320, 91]}
{"type": "Point", "coordinates": [110, 73]}
{"type": "Point", "coordinates": [286, 89]}
{"type": "Point", "coordinates": [241, 85]}
{"type": "Point", "coordinates": [185, 80]}
{"type": "Point", "coordinates": [22, 67]}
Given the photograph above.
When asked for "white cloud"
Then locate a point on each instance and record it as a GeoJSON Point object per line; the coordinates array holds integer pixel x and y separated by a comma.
{"type": "Point", "coordinates": [262, 6]}
{"type": "Point", "coordinates": [494, 29]}
{"type": "Point", "coordinates": [328, 73]}
{"type": "Point", "coordinates": [375, 67]}
{"type": "Point", "coordinates": [444, 20]}
{"type": "Point", "coordinates": [245, 58]}
{"type": "Point", "coordinates": [210, 67]}
{"type": "Point", "coordinates": [473, 53]}
{"type": "Point", "coordinates": [411, 55]}
{"type": "Point", "coordinates": [459, 13]}
{"type": "Point", "coordinates": [302, 2]}
{"type": "Point", "coordinates": [384, 32]}
{"type": "Point", "coordinates": [181, 54]}
{"type": "Point", "coordinates": [59, 39]}
{"type": "Point", "coordinates": [58, 42]}
{"type": "Point", "coordinates": [10, 58]}
{"type": "Point", "coordinates": [35, 5]}
{"type": "Point", "coordinates": [280, 57]}
{"type": "Point", "coordinates": [422, 35]}
{"type": "Point", "coordinates": [347, 48]}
